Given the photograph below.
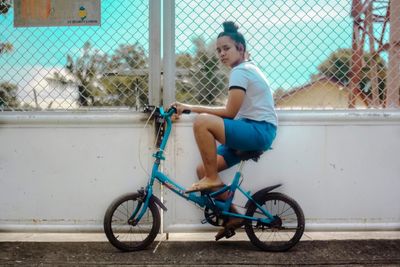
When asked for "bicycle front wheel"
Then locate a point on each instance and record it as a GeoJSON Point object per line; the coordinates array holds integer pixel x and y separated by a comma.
{"type": "Point", "coordinates": [284, 231]}
{"type": "Point", "coordinates": [125, 234]}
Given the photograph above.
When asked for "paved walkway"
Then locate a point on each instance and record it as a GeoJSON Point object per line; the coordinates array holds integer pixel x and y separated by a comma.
{"type": "Point", "coordinates": [338, 249]}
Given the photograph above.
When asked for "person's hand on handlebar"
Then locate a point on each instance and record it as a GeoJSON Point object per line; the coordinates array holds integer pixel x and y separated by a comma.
{"type": "Point", "coordinates": [181, 108]}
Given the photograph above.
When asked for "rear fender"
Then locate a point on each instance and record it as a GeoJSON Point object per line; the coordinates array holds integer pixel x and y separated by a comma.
{"type": "Point", "coordinates": [257, 197]}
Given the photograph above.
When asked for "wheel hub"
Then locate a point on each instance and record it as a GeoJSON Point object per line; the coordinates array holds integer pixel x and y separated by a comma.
{"type": "Point", "coordinates": [275, 225]}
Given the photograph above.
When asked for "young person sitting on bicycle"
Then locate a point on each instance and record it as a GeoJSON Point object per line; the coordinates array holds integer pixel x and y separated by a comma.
{"type": "Point", "coordinates": [247, 122]}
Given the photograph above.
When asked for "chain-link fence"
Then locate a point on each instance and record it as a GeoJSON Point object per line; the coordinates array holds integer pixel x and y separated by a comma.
{"type": "Point", "coordinates": [46, 68]}
{"type": "Point", "coordinates": [316, 54]}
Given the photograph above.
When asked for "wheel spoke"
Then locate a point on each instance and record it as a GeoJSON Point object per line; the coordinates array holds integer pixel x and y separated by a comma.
{"type": "Point", "coordinates": [284, 231]}
{"type": "Point", "coordinates": [124, 235]}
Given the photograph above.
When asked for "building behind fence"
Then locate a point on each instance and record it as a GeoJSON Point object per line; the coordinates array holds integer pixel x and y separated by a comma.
{"type": "Point", "coordinates": [316, 55]}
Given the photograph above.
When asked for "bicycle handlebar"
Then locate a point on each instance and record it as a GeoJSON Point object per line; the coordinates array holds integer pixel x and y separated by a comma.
{"type": "Point", "coordinates": [161, 117]}
{"type": "Point", "coordinates": [159, 111]}
{"type": "Point", "coordinates": [172, 110]}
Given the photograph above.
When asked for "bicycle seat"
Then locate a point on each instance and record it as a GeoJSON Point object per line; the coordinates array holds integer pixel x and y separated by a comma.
{"type": "Point", "coordinates": [246, 155]}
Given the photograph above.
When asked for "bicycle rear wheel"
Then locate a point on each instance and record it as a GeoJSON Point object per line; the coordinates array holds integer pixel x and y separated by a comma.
{"type": "Point", "coordinates": [125, 235]}
{"type": "Point", "coordinates": [284, 232]}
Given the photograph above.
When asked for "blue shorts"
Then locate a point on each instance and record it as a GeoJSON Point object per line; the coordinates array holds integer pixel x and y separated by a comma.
{"type": "Point", "coordinates": [245, 135]}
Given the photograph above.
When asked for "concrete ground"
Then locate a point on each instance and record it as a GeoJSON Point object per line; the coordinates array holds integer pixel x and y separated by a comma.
{"type": "Point", "coordinates": [315, 248]}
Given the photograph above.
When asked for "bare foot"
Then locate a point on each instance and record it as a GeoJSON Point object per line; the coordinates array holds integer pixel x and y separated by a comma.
{"type": "Point", "coordinates": [204, 184]}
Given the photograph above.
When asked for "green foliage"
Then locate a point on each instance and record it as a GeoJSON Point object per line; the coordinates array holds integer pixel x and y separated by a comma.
{"type": "Point", "coordinates": [4, 7]}
{"type": "Point", "coordinates": [104, 80]}
{"type": "Point", "coordinates": [5, 47]}
{"type": "Point", "coordinates": [209, 80]}
{"type": "Point", "coordinates": [338, 64]}
{"type": "Point", "coordinates": [205, 80]}
{"type": "Point", "coordinates": [128, 56]}
{"type": "Point", "coordinates": [125, 90]}
{"type": "Point", "coordinates": [184, 61]}
{"type": "Point", "coordinates": [122, 78]}
{"type": "Point", "coordinates": [279, 93]}
{"type": "Point", "coordinates": [86, 71]}
{"type": "Point", "coordinates": [8, 96]}
{"type": "Point", "coordinates": [126, 83]}
{"type": "Point", "coordinates": [183, 84]}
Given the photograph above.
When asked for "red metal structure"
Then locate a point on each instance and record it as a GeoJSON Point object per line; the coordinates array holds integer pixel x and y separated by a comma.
{"type": "Point", "coordinates": [368, 16]}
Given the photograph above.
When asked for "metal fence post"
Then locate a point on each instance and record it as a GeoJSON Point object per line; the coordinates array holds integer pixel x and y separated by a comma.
{"type": "Point", "coordinates": [169, 52]}
{"type": "Point", "coordinates": [155, 52]}
{"type": "Point", "coordinates": [393, 77]}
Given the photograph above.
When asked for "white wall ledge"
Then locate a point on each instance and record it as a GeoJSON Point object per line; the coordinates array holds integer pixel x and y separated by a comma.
{"type": "Point", "coordinates": [329, 117]}
{"type": "Point", "coordinates": [324, 117]}
{"type": "Point", "coordinates": [70, 118]}
{"type": "Point", "coordinates": [286, 117]}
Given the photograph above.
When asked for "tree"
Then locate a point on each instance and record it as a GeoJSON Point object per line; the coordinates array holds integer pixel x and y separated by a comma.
{"type": "Point", "coordinates": [183, 84]}
{"type": "Point", "coordinates": [117, 80]}
{"type": "Point", "coordinates": [5, 48]}
{"type": "Point", "coordinates": [128, 56]}
{"type": "Point", "coordinates": [8, 96]}
{"type": "Point", "coordinates": [4, 8]}
{"type": "Point", "coordinates": [338, 64]}
{"type": "Point", "coordinates": [205, 81]}
{"type": "Point", "coordinates": [126, 83]}
{"type": "Point", "coordinates": [209, 80]}
{"type": "Point", "coordinates": [84, 72]}
{"type": "Point", "coordinates": [279, 93]}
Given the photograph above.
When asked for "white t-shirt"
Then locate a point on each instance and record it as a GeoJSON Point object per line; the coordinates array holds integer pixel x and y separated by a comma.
{"type": "Point", "coordinates": [258, 102]}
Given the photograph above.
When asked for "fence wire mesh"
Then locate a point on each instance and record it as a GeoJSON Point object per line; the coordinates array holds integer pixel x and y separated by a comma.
{"type": "Point", "coordinates": [47, 68]}
{"type": "Point", "coordinates": [316, 54]}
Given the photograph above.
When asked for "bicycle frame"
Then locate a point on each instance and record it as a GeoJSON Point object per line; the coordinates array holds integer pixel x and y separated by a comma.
{"type": "Point", "coordinates": [201, 200]}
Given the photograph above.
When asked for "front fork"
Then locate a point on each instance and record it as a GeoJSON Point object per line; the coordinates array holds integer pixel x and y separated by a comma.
{"type": "Point", "coordinates": [145, 196]}
{"type": "Point", "coordinates": [141, 201]}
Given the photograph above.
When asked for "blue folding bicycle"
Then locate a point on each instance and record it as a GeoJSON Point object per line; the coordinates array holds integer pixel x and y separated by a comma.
{"type": "Point", "coordinates": [272, 221]}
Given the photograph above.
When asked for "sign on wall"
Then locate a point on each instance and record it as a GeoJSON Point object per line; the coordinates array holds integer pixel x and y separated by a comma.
{"type": "Point", "coordinates": [37, 13]}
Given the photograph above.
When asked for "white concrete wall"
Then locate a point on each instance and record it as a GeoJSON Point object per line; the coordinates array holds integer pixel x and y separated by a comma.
{"type": "Point", "coordinates": [343, 168]}
{"type": "Point", "coordinates": [60, 171]}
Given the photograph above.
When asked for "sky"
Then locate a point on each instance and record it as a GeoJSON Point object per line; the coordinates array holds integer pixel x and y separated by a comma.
{"type": "Point", "coordinates": [288, 39]}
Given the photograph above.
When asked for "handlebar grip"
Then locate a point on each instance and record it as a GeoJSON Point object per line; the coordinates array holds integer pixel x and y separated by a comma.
{"type": "Point", "coordinates": [172, 108]}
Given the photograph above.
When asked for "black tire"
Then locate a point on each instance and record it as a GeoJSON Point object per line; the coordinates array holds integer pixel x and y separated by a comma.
{"type": "Point", "coordinates": [125, 236]}
{"type": "Point", "coordinates": [287, 229]}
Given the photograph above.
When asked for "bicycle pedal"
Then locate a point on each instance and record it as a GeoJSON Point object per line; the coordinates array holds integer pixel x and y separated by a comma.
{"type": "Point", "coordinates": [204, 221]}
{"type": "Point", "coordinates": [229, 233]}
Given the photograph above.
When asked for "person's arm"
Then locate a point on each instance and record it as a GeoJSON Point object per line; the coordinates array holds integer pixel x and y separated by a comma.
{"type": "Point", "coordinates": [235, 100]}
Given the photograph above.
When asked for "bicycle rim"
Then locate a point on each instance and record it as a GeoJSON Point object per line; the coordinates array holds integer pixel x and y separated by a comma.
{"type": "Point", "coordinates": [284, 232]}
{"type": "Point", "coordinates": [124, 235]}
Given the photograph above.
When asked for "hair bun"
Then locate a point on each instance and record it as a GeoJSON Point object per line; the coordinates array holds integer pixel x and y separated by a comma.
{"type": "Point", "coordinates": [230, 26]}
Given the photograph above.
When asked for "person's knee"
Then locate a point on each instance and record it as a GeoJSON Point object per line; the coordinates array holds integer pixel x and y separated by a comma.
{"type": "Point", "coordinates": [200, 122]}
